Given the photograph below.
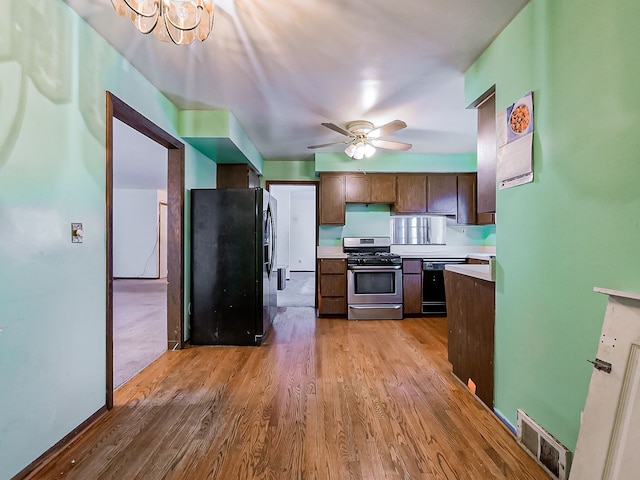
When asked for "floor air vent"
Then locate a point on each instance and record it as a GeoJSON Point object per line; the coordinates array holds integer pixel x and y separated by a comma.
{"type": "Point", "coordinates": [554, 457]}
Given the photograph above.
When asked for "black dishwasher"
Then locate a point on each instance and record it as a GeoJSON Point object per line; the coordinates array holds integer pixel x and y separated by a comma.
{"type": "Point", "coordinates": [434, 302]}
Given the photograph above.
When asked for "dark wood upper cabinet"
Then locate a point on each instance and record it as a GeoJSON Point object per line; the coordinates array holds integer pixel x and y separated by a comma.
{"type": "Point", "coordinates": [358, 188]}
{"type": "Point", "coordinates": [370, 188]}
{"type": "Point", "coordinates": [383, 187]}
{"type": "Point", "coordinates": [411, 193]}
{"type": "Point", "coordinates": [236, 175]}
{"type": "Point", "coordinates": [466, 199]}
{"type": "Point", "coordinates": [408, 193]}
{"type": "Point", "coordinates": [332, 199]}
{"type": "Point", "coordinates": [487, 155]}
{"type": "Point", "coordinates": [442, 194]}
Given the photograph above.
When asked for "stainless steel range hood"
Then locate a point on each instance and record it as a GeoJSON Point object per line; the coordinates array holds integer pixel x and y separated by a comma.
{"type": "Point", "coordinates": [418, 230]}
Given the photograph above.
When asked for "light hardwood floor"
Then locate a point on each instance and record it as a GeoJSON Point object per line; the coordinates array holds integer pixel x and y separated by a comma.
{"type": "Point", "coordinates": [322, 399]}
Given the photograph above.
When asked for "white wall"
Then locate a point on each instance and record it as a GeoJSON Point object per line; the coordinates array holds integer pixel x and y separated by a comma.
{"type": "Point", "coordinates": [302, 230]}
{"type": "Point", "coordinates": [136, 232]}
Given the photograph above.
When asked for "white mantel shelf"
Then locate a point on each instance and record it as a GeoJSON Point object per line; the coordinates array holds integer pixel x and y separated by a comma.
{"type": "Point", "coordinates": [617, 293]}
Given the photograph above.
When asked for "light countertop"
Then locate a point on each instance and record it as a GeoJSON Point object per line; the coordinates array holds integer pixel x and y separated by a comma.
{"type": "Point", "coordinates": [483, 272]}
{"type": "Point", "coordinates": [330, 252]}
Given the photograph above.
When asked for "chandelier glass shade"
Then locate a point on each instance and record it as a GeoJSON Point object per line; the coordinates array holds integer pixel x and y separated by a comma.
{"type": "Point", "coordinates": [177, 21]}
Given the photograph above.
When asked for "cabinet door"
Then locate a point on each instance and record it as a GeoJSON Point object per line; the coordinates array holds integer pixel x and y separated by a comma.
{"type": "Point", "coordinates": [236, 175]}
{"type": "Point", "coordinates": [358, 188]}
{"type": "Point", "coordinates": [470, 318]}
{"type": "Point", "coordinates": [332, 199]}
{"type": "Point", "coordinates": [412, 294]}
{"type": "Point", "coordinates": [466, 199]}
{"type": "Point", "coordinates": [487, 156]}
{"type": "Point", "coordinates": [412, 286]}
{"type": "Point", "coordinates": [333, 267]}
{"type": "Point", "coordinates": [411, 193]}
{"type": "Point", "coordinates": [333, 285]}
{"type": "Point", "coordinates": [442, 194]}
{"type": "Point", "coordinates": [383, 187]}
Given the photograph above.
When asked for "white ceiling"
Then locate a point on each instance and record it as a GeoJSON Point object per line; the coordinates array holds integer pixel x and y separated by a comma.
{"type": "Point", "coordinates": [284, 66]}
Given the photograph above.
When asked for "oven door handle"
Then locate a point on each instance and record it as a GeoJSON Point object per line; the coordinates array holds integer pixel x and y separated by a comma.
{"type": "Point", "coordinates": [374, 268]}
{"type": "Point", "coordinates": [372, 307]}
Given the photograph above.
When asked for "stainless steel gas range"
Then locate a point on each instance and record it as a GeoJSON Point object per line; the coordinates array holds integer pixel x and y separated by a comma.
{"type": "Point", "coordinates": [374, 279]}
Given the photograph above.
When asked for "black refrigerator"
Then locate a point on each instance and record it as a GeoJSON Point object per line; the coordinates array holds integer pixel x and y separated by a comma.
{"type": "Point", "coordinates": [233, 266]}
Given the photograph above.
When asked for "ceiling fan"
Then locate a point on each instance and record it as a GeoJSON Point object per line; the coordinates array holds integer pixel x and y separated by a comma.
{"type": "Point", "coordinates": [364, 138]}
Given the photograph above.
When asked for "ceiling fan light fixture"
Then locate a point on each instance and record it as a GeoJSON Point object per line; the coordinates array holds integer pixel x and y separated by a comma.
{"type": "Point", "coordinates": [363, 138]}
{"type": "Point", "coordinates": [360, 149]}
{"type": "Point", "coordinates": [350, 150]}
{"type": "Point", "coordinates": [177, 21]}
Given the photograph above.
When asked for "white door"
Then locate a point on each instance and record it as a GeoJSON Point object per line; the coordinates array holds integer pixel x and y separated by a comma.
{"type": "Point", "coordinates": [609, 437]}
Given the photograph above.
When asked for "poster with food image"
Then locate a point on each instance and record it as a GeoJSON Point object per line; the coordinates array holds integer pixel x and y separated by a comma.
{"type": "Point", "coordinates": [515, 143]}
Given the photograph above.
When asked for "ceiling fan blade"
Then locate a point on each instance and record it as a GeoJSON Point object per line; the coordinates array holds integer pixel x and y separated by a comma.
{"type": "Point", "coordinates": [389, 145]}
{"type": "Point", "coordinates": [327, 144]}
{"type": "Point", "coordinates": [386, 129]}
{"type": "Point", "coordinates": [336, 128]}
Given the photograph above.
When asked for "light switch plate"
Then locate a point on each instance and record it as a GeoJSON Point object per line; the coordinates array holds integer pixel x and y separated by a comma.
{"type": "Point", "coordinates": [76, 233]}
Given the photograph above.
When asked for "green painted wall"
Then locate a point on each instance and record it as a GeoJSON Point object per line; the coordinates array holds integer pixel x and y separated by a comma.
{"type": "Point", "coordinates": [219, 136]}
{"type": "Point", "coordinates": [52, 173]}
{"type": "Point", "coordinates": [397, 162]}
{"type": "Point", "coordinates": [577, 225]}
{"type": "Point", "coordinates": [289, 170]}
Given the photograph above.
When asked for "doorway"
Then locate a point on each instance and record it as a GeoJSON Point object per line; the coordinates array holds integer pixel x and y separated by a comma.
{"type": "Point", "coordinates": [296, 240]}
{"type": "Point", "coordinates": [117, 109]}
{"type": "Point", "coordinates": [139, 252]}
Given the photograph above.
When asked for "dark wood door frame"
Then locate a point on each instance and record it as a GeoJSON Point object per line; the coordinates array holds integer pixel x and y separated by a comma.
{"type": "Point", "coordinates": [116, 108]}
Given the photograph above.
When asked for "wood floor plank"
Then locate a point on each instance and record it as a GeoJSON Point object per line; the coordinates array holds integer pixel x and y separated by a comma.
{"type": "Point", "coordinates": [323, 398]}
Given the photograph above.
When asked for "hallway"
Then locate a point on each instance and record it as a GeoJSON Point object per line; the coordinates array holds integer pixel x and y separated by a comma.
{"type": "Point", "coordinates": [299, 290]}
{"type": "Point", "coordinates": [139, 325]}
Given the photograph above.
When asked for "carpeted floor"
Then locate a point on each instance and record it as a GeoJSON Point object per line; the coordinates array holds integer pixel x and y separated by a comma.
{"type": "Point", "coordinates": [300, 290]}
{"type": "Point", "coordinates": [139, 325]}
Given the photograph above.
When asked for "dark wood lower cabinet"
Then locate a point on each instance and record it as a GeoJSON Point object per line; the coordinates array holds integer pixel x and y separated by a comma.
{"type": "Point", "coordinates": [332, 287]}
{"type": "Point", "coordinates": [471, 318]}
{"type": "Point", "coordinates": [412, 286]}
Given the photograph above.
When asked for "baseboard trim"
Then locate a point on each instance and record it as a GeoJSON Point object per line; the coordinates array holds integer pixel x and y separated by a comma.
{"type": "Point", "coordinates": [43, 459]}
{"type": "Point", "coordinates": [505, 421]}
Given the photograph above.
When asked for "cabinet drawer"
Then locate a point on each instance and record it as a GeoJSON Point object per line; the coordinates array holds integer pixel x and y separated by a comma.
{"type": "Point", "coordinates": [333, 285]}
{"type": "Point", "coordinates": [333, 266]}
{"type": "Point", "coordinates": [412, 266]}
{"type": "Point", "coordinates": [332, 305]}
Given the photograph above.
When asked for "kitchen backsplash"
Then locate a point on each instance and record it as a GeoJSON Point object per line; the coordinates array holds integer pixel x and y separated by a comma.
{"type": "Point", "coordinates": [375, 220]}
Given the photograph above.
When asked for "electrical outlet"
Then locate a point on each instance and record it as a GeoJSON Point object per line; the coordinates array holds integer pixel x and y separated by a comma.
{"type": "Point", "coordinates": [77, 233]}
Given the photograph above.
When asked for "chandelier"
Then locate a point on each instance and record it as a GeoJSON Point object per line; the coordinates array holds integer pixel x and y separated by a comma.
{"type": "Point", "coordinates": [177, 21]}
